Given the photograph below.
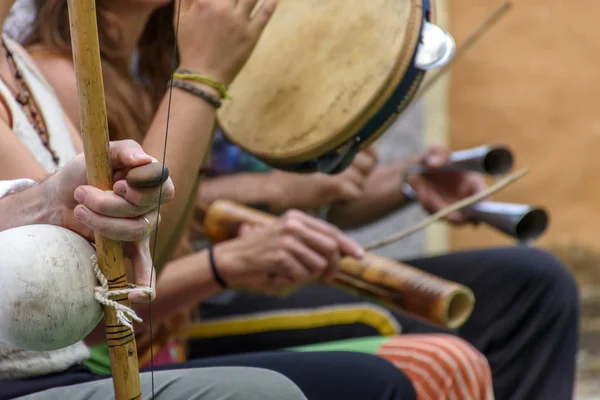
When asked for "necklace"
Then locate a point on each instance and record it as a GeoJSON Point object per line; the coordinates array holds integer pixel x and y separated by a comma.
{"type": "Point", "coordinates": [28, 104]}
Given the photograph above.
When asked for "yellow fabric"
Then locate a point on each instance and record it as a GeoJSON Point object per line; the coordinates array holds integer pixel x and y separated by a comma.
{"type": "Point", "coordinates": [366, 314]}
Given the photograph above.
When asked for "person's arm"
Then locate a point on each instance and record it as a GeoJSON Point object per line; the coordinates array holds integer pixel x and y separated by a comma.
{"type": "Point", "coordinates": [184, 282]}
{"type": "Point", "coordinates": [215, 41]}
{"type": "Point", "coordinates": [191, 123]}
{"type": "Point", "coordinates": [381, 196]}
{"type": "Point", "coordinates": [280, 190]}
{"type": "Point", "coordinates": [25, 202]}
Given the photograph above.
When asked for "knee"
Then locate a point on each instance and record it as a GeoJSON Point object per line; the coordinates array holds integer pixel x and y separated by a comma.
{"type": "Point", "coordinates": [465, 368]}
{"type": "Point", "coordinates": [234, 383]}
{"type": "Point", "coordinates": [387, 381]}
{"type": "Point", "coordinates": [470, 365]}
{"type": "Point", "coordinates": [539, 268]}
{"type": "Point", "coordinates": [263, 384]}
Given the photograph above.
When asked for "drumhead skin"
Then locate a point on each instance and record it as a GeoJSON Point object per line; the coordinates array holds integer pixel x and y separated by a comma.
{"type": "Point", "coordinates": [326, 79]}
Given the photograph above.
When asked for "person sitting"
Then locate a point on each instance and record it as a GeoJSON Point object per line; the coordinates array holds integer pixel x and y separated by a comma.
{"type": "Point", "coordinates": [57, 374]}
{"type": "Point", "coordinates": [32, 153]}
{"type": "Point", "coordinates": [126, 119]}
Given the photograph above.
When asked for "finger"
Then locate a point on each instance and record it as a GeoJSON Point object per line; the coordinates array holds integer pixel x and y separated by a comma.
{"type": "Point", "coordinates": [139, 253]}
{"type": "Point", "coordinates": [475, 183]}
{"type": "Point", "coordinates": [123, 229]}
{"type": "Point", "coordinates": [145, 197]}
{"type": "Point", "coordinates": [322, 246]}
{"type": "Point", "coordinates": [364, 163]}
{"type": "Point", "coordinates": [456, 217]}
{"type": "Point", "coordinates": [332, 268]}
{"type": "Point", "coordinates": [430, 199]}
{"type": "Point", "coordinates": [436, 156]}
{"type": "Point", "coordinates": [356, 178]}
{"type": "Point", "coordinates": [345, 244]}
{"type": "Point", "coordinates": [246, 7]}
{"type": "Point", "coordinates": [346, 190]}
{"type": "Point", "coordinates": [311, 260]}
{"type": "Point", "coordinates": [372, 152]}
{"type": "Point", "coordinates": [318, 235]}
{"type": "Point", "coordinates": [292, 268]}
{"type": "Point", "coordinates": [148, 175]}
{"type": "Point", "coordinates": [108, 203]}
{"type": "Point", "coordinates": [127, 154]}
{"type": "Point", "coordinates": [262, 16]}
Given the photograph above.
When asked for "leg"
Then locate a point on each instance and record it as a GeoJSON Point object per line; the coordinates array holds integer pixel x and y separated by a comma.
{"type": "Point", "coordinates": [525, 320]}
{"type": "Point", "coordinates": [190, 384]}
{"type": "Point", "coordinates": [326, 375]}
{"type": "Point", "coordinates": [312, 314]}
{"type": "Point", "coordinates": [441, 366]}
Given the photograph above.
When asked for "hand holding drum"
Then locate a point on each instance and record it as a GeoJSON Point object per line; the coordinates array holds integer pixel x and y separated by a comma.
{"type": "Point", "coordinates": [408, 289]}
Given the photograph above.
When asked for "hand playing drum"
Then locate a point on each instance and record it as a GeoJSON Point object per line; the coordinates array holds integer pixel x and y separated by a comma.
{"type": "Point", "coordinates": [328, 77]}
{"type": "Point", "coordinates": [311, 191]}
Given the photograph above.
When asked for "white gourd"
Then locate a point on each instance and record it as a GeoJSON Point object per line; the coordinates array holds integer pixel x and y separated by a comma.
{"type": "Point", "coordinates": [46, 288]}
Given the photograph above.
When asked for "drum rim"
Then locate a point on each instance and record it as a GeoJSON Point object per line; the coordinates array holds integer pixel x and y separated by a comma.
{"type": "Point", "coordinates": [351, 128]}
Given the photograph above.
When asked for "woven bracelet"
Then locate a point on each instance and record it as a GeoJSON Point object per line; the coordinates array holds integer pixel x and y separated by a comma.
{"type": "Point", "coordinates": [212, 100]}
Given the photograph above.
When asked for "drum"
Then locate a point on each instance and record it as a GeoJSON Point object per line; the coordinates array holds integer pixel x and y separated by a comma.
{"type": "Point", "coordinates": [328, 77]}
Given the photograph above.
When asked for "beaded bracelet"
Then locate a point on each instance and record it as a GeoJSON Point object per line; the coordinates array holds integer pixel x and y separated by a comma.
{"type": "Point", "coordinates": [187, 75]}
{"type": "Point", "coordinates": [213, 101]}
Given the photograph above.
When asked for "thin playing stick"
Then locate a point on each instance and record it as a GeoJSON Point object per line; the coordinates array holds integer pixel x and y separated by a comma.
{"type": "Point", "coordinates": [443, 213]}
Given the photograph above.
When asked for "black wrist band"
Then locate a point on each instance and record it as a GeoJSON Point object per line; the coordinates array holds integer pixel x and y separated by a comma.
{"type": "Point", "coordinates": [213, 101]}
{"type": "Point", "coordinates": [213, 268]}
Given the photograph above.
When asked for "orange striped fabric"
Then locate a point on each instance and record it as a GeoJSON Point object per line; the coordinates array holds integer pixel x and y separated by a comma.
{"type": "Point", "coordinates": [441, 367]}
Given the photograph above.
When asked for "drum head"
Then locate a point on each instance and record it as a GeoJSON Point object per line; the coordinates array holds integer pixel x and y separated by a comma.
{"type": "Point", "coordinates": [320, 71]}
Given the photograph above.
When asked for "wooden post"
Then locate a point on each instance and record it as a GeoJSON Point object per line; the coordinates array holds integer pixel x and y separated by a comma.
{"type": "Point", "coordinates": [94, 127]}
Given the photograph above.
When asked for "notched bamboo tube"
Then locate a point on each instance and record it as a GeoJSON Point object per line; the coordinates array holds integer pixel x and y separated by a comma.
{"type": "Point", "coordinates": [400, 286]}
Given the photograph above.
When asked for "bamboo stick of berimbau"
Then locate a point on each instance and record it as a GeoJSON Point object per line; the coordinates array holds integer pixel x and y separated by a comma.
{"type": "Point", "coordinates": [94, 128]}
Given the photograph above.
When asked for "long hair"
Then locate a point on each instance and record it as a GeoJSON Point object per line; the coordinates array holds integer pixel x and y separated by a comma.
{"type": "Point", "coordinates": [127, 119]}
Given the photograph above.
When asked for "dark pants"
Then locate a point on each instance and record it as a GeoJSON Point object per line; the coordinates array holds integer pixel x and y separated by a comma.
{"type": "Point", "coordinates": [525, 321]}
{"type": "Point", "coordinates": [320, 376]}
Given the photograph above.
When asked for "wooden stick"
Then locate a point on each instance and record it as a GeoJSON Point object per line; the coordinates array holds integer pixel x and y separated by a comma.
{"type": "Point", "coordinates": [94, 128]}
{"type": "Point", "coordinates": [501, 184]}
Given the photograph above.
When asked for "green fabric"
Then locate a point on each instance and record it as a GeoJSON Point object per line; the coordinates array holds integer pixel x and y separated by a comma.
{"type": "Point", "coordinates": [99, 362]}
{"type": "Point", "coordinates": [369, 345]}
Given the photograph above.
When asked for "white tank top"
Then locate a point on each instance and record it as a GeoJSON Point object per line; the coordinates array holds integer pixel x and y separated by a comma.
{"type": "Point", "coordinates": [15, 363]}
{"type": "Point", "coordinates": [49, 107]}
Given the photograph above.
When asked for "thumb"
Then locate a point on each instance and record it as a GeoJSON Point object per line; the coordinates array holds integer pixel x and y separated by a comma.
{"type": "Point", "coordinates": [143, 269]}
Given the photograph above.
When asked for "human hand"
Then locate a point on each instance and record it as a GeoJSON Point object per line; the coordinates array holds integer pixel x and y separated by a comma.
{"type": "Point", "coordinates": [438, 189]}
{"type": "Point", "coordinates": [116, 214]}
{"type": "Point", "coordinates": [216, 37]}
{"type": "Point", "coordinates": [294, 250]}
{"type": "Point", "coordinates": [309, 191]}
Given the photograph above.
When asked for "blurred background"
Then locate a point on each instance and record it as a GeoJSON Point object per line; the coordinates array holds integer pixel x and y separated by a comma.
{"type": "Point", "coordinates": [530, 83]}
